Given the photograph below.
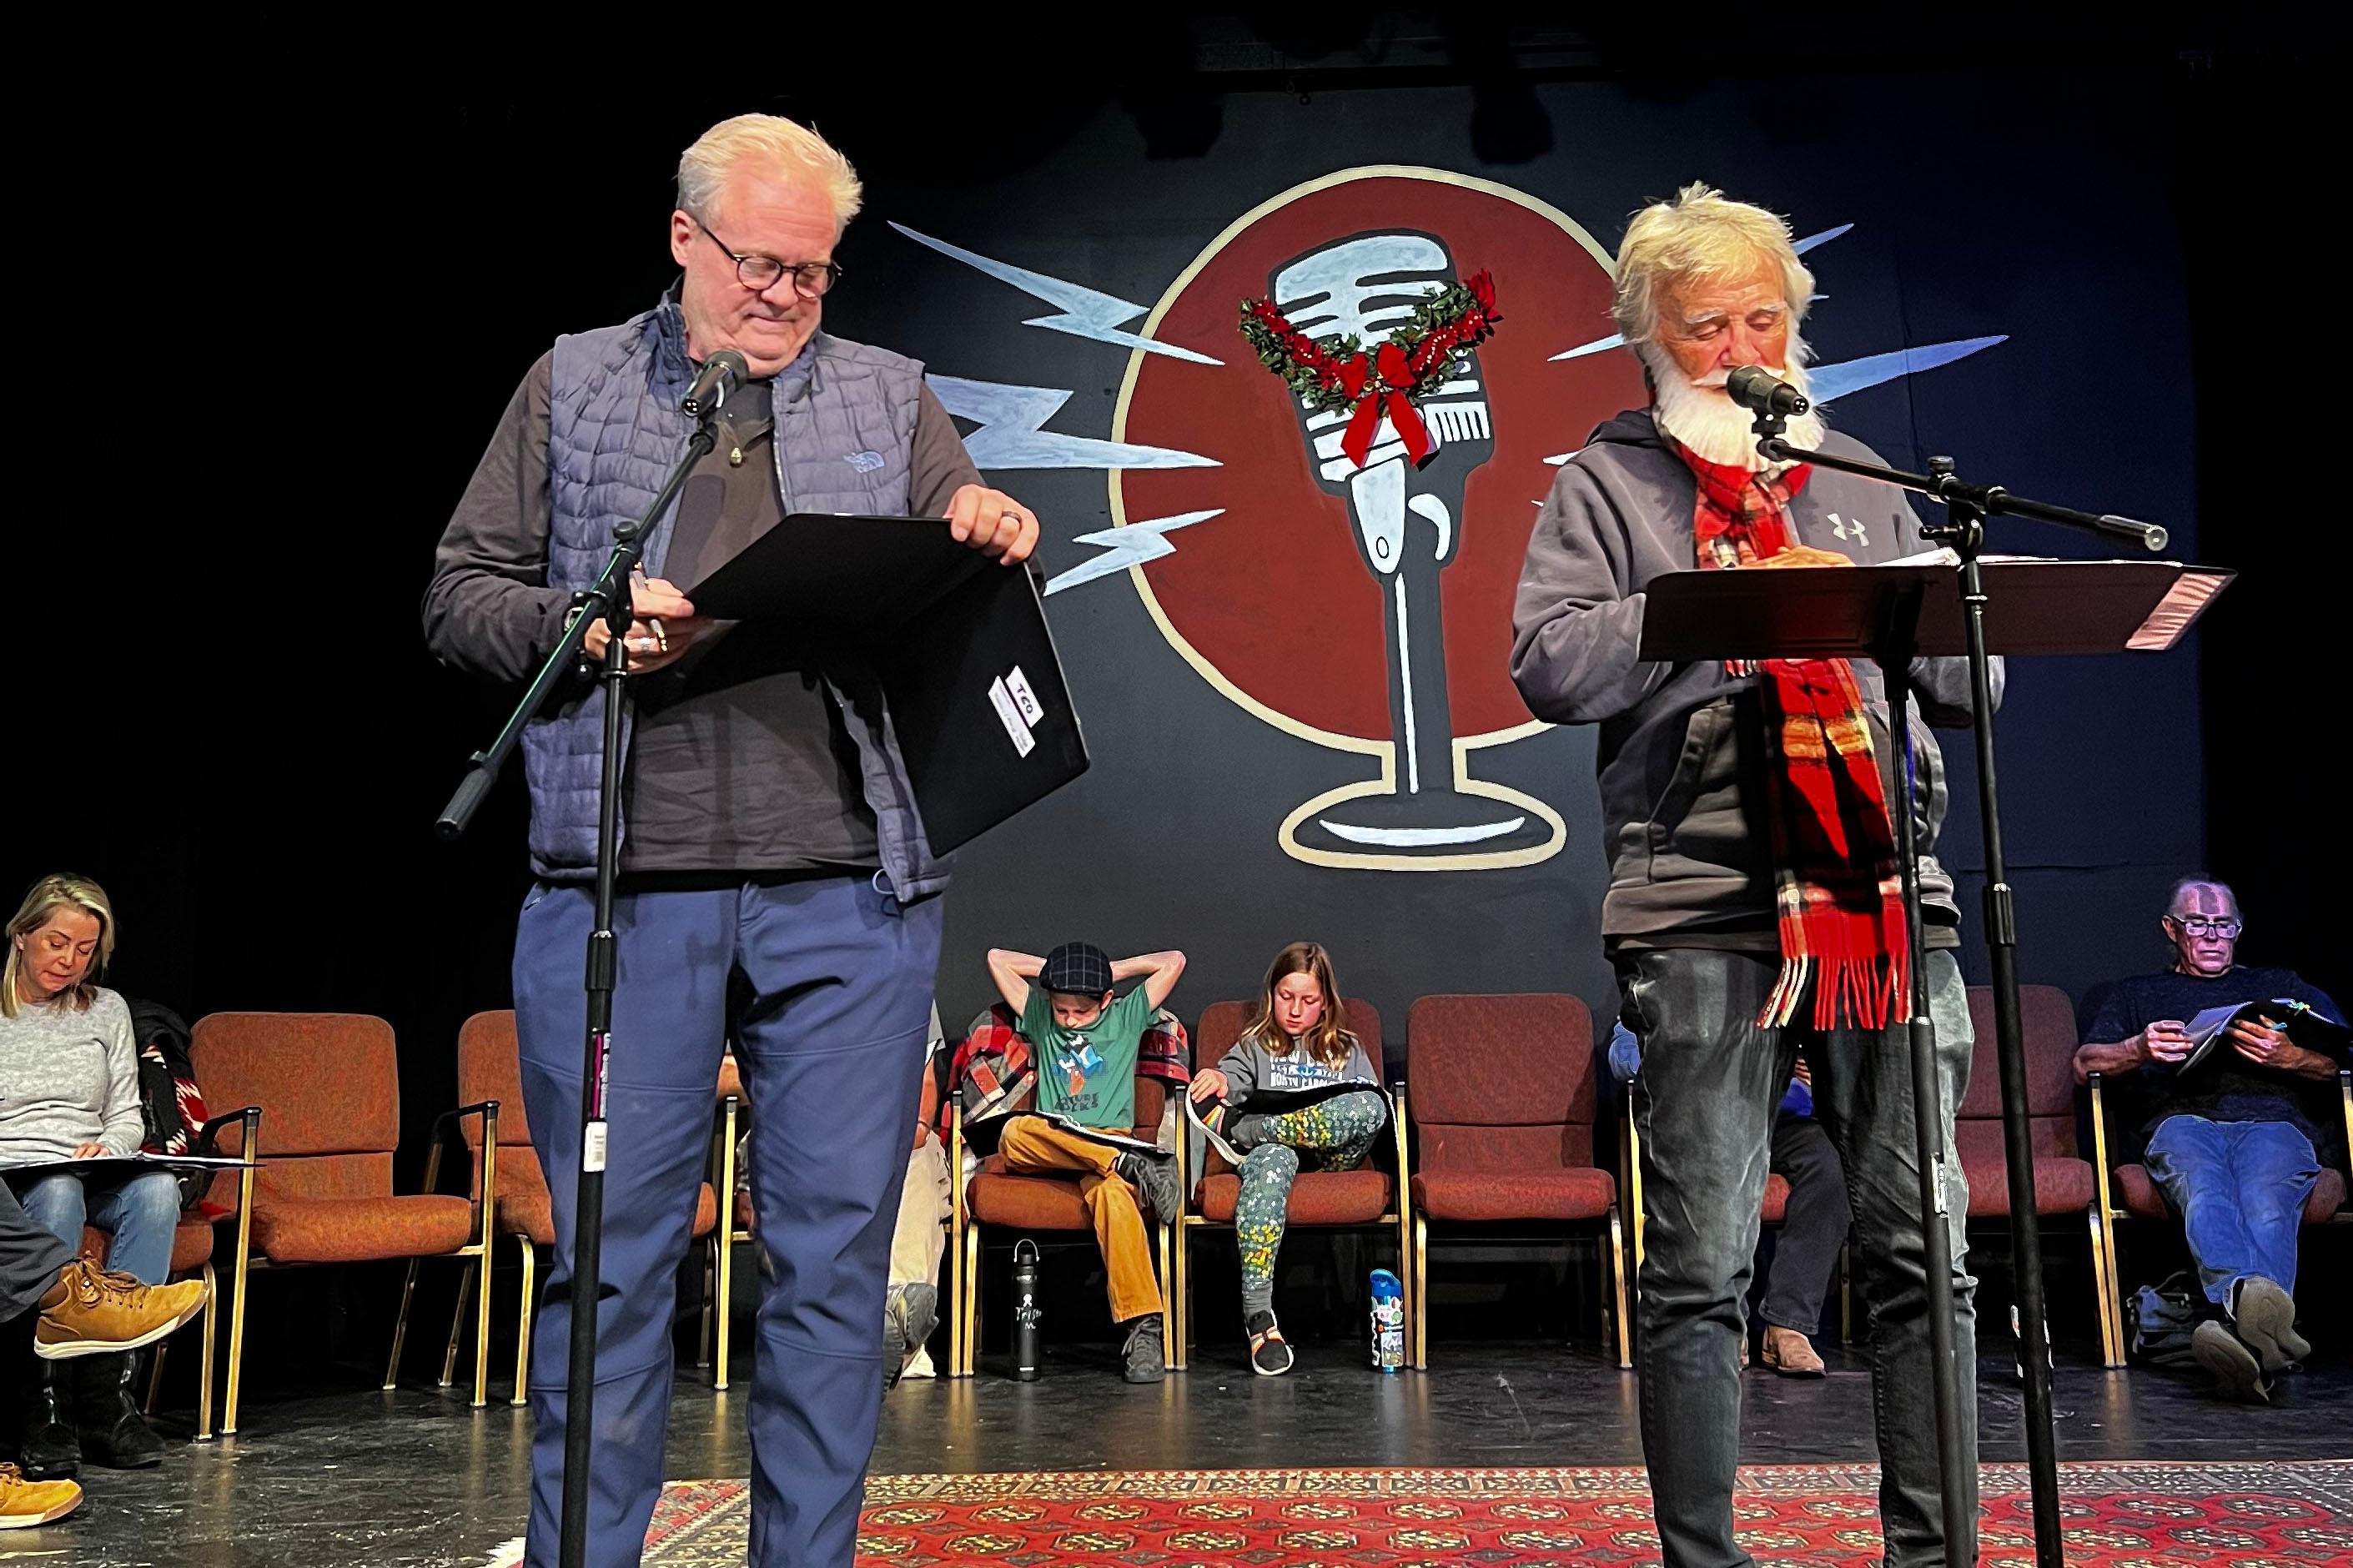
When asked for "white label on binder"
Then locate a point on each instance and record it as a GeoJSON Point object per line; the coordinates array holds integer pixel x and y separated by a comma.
{"type": "Point", "coordinates": [1009, 715]}
{"type": "Point", "coordinates": [1025, 699]}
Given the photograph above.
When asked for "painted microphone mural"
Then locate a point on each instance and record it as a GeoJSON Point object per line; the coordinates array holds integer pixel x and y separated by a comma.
{"type": "Point", "coordinates": [1359, 600]}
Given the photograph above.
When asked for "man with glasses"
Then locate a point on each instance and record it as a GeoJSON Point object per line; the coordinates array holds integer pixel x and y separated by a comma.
{"type": "Point", "coordinates": [2235, 1141]}
{"type": "Point", "coordinates": [777, 890]}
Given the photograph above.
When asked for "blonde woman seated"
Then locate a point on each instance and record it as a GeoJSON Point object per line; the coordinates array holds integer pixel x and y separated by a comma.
{"type": "Point", "coordinates": [1294, 1043]}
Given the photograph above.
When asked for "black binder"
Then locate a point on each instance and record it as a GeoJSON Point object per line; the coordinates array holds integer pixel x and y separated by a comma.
{"type": "Point", "coordinates": [970, 678]}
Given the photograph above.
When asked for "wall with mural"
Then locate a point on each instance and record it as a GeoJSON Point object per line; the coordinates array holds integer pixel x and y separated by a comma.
{"type": "Point", "coordinates": [1291, 660]}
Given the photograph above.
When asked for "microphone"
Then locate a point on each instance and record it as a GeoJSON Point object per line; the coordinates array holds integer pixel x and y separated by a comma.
{"type": "Point", "coordinates": [1754, 389]}
{"type": "Point", "coordinates": [720, 374]}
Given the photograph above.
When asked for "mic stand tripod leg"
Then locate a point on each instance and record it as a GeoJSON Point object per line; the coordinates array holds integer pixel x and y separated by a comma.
{"type": "Point", "coordinates": [1956, 1456]}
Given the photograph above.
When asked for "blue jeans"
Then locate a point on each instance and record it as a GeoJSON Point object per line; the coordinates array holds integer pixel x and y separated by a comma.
{"type": "Point", "coordinates": [825, 987]}
{"type": "Point", "coordinates": [2240, 1188]}
{"type": "Point", "coordinates": [138, 1214]}
{"type": "Point", "coordinates": [1705, 1104]}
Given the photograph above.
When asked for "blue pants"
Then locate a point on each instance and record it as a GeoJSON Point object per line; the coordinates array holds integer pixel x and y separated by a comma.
{"type": "Point", "coordinates": [138, 1214]}
{"type": "Point", "coordinates": [824, 987]}
{"type": "Point", "coordinates": [2240, 1188]}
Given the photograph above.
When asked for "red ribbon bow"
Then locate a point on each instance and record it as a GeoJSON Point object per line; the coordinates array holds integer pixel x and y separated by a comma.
{"type": "Point", "coordinates": [1380, 384]}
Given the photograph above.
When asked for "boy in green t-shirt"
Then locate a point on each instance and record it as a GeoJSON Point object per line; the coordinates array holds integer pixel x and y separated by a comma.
{"type": "Point", "coordinates": [1085, 1043]}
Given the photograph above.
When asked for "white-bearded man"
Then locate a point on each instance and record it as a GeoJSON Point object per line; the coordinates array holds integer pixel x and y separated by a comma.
{"type": "Point", "coordinates": [1753, 906]}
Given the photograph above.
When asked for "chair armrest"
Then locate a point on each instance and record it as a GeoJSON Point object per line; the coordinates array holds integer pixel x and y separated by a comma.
{"type": "Point", "coordinates": [208, 1137]}
{"type": "Point", "coordinates": [485, 1199]}
{"type": "Point", "coordinates": [2100, 1145]}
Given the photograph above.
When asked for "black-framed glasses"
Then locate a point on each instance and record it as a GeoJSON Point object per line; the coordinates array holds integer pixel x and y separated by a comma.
{"type": "Point", "coordinates": [811, 279]}
{"type": "Point", "coordinates": [2195, 925]}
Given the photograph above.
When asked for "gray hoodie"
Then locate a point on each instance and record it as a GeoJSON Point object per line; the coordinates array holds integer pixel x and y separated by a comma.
{"type": "Point", "coordinates": [1682, 746]}
{"type": "Point", "coordinates": [1249, 1065]}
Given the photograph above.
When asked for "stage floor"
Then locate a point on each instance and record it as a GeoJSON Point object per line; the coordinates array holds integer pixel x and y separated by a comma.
{"type": "Point", "coordinates": [416, 1478]}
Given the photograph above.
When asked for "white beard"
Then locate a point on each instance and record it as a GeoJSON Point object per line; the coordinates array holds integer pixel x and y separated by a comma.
{"type": "Point", "coordinates": [1702, 416]}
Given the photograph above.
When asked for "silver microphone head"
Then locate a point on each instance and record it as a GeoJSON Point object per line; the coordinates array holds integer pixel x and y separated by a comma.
{"type": "Point", "coordinates": [1366, 288]}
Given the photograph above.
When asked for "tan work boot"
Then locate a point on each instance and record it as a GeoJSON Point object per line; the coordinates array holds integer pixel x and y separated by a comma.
{"type": "Point", "coordinates": [89, 1311]}
{"type": "Point", "coordinates": [1790, 1353]}
{"type": "Point", "coordinates": [24, 1504]}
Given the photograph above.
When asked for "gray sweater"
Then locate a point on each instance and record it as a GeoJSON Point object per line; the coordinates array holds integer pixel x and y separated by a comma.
{"type": "Point", "coordinates": [1682, 801]}
{"type": "Point", "coordinates": [67, 1079]}
{"type": "Point", "coordinates": [1249, 1066]}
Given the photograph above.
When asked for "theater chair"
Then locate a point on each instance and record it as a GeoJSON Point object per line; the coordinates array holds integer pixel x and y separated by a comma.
{"type": "Point", "coordinates": [192, 1253]}
{"type": "Point", "coordinates": [1504, 1099]}
{"type": "Point", "coordinates": [2131, 1193]}
{"type": "Point", "coordinates": [2064, 1184]}
{"type": "Point", "coordinates": [328, 1084]}
{"type": "Point", "coordinates": [1367, 1198]}
{"type": "Point", "coordinates": [490, 1071]}
{"type": "Point", "coordinates": [994, 1197]}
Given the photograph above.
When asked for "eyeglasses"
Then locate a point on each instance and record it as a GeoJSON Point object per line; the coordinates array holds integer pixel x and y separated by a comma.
{"type": "Point", "coordinates": [2195, 926]}
{"type": "Point", "coordinates": [811, 279]}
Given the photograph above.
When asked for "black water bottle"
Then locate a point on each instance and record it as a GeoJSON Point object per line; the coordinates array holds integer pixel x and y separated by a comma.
{"type": "Point", "coordinates": [1025, 1310]}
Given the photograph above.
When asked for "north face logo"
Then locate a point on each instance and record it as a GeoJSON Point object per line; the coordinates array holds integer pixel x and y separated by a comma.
{"type": "Point", "coordinates": [865, 462]}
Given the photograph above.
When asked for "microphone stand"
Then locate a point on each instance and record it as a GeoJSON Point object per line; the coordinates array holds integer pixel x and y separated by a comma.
{"type": "Point", "coordinates": [608, 599]}
{"type": "Point", "coordinates": [1966, 507]}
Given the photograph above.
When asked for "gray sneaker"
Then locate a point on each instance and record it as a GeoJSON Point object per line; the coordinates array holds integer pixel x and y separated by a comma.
{"type": "Point", "coordinates": [2266, 1321]}
{"type": "Point", "coordinates": [1156, 1181]}
{"type": "Point", "coordinates": [2237, 1375]}
{"type": "Point", "coordinates": [910, 1313]}
{"type": "Point", "coordinates": [1146, 1363]}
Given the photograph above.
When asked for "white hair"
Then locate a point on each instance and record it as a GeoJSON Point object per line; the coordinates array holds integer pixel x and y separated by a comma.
{"type": "Point", "coordinates": [703, 168]}
{"type": "Point", "coordinates": [1700, 236]}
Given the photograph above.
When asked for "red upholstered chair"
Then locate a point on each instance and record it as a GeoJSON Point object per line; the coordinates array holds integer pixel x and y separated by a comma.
{"type": "Point", "coordinates": [328, 1085]}
{"type": "Point", "coordinates": [490, 1069]}
{"type": "Point", "coordinates": [1367, 1198]}
{"type": "Point", "coordinates": [1503, 1095]}
{"type": "Point", "coordinates": [2131, 1193]}
{"type": "Point", "coordinates": [995, 1197]}
{"type": "Point", "coordinates": [2063, 1180]}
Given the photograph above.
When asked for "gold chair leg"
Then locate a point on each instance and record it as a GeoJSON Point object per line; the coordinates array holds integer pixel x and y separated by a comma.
{"type": "Point", "coordinates": [710, 1300]}
{"type": "Point", "coordinates": [155, 1375]}
{"type": "Point", "coordinates": [1618, 1285]}
{"type": "Point", "coordinates": [1184, 1293]}
{"type": "Point", "coordinates": [2112, 1327]}
{"type": "Point", "coordinates": [207, 1326]}
{"type": "Point", "coordinates": [399, 1328]}
{"type": "Point", "coordinates": [722, 1300]}
{"type": "Point", "coordinates": [971, 1300]}
{"type": "Point", "coordinates": [1846, 1293]}
{"type": "Point", "coordinates": [1172, 1317]}
{"type": "Point", "coordinates": [456, 1322]}
{"type": "Point", "coordinates": [482, 1332]}
{"type": "Point", "coordinates": [1417, 1284]}
{"type": "Point", "coordinates": [522, 1322]}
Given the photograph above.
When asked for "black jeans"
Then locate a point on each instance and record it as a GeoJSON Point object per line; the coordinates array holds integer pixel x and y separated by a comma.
{"type": "Point", "coordinates": [1813, 1227]}
{"type": "Point", "coordinates": [1705, 1105]}
{"type": "Point", "coordinates": [30, 1258]}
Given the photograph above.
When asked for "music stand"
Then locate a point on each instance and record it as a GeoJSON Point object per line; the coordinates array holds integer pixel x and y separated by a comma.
{"type": "Point", "coordinates": [1892, 614]}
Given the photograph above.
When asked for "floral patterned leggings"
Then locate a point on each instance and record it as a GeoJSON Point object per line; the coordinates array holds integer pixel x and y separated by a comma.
{"type": "Point", "coordinates": [1337, 1133]}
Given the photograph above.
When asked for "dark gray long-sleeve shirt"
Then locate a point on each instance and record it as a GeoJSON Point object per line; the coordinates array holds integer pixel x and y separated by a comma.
{"type": "Point", "coordinates": [1682, 793]}
{"type": "Point", "coordinates": [738, 761]}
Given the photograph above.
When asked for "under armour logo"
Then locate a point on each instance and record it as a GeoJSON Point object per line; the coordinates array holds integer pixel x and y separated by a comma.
{"type": "Point", "coordinates": [865, 462]}
{"type": "Point", "coordinates": [1840, 527]}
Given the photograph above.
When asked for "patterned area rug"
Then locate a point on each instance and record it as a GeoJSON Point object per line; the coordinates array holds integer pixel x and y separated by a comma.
{"type": "Point", "coordinates": [2116, 1516]}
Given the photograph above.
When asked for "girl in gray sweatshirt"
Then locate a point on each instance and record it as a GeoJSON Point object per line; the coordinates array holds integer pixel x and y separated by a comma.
{"type": "Point", "coordinates": [1295, 1043]}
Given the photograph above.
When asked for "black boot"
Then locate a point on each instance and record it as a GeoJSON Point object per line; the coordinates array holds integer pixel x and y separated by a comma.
{"type": "Point", "coordinates": [46, 1450]}
{"type": "Point", "coordinates": [107, 1417]}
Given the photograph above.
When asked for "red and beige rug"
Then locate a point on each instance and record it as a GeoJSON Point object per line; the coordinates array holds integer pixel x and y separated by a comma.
{"type": "Point", "coordinates": [2116, 1516]}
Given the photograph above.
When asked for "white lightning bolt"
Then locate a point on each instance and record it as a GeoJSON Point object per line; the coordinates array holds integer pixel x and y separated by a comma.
{"type": "Point", "coordinates": [1011, 432]}
{"type": "Point", "coordinates": [1085, 313]}
{"type": "Point", "coordinates": [1617, 340]}
{"type": "Point", "coordinates": [1124, 547]}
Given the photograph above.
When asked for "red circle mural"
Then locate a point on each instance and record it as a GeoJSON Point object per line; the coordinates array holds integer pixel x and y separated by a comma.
{"type": "Point", "coordinates": [1282, 595]}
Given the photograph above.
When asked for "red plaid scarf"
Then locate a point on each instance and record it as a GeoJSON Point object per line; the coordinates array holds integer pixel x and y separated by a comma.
{"type": "Point", "coordinates": [1838, 890]}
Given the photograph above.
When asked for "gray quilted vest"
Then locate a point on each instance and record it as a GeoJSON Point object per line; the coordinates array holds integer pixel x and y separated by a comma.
{"type": "Point", "coordinates": [845, 424]}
